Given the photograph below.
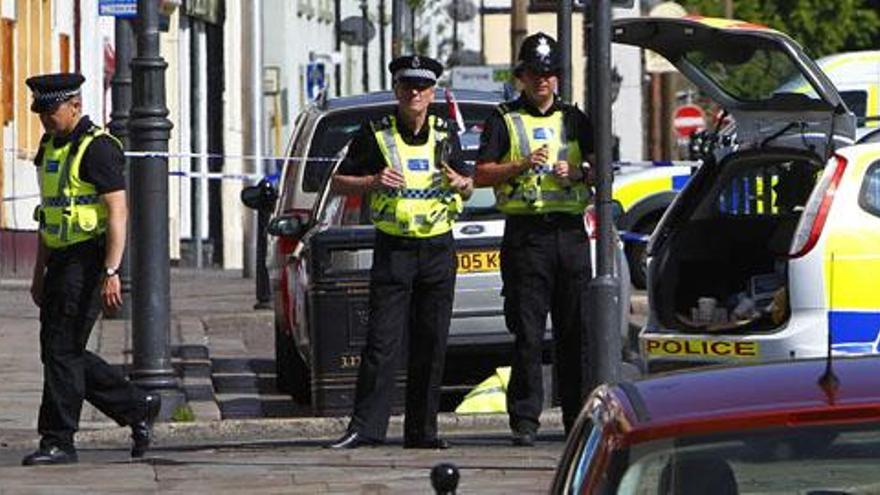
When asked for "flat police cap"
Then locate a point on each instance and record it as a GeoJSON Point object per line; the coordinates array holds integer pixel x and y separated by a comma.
{"type": "Point", "coordinates": [52, 89]}
{"type": "Point", "coordinates": [415, 68]}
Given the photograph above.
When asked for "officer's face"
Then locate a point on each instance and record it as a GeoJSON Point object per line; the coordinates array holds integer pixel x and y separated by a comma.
{"type": "Point", "coordinates": [61, 120]}
{"type": "Point", "coordinates": [414, 97]}
{"type": "Point", "coordinates": [539, 85]}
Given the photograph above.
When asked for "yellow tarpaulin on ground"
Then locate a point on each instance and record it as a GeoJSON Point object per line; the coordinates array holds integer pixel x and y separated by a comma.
{"type": "Point", "coordinates": [490, 396]}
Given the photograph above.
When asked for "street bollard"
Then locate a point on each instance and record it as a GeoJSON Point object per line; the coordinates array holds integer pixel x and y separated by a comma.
{"type": "Point", "coordinates": [444, 478]}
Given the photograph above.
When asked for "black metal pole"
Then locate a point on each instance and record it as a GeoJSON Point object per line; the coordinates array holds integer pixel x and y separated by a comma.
{"type": "Point", "coordinates": [383, 80]}
{"type": "Point", "coordinates": [396, 29]}
{"type": "Point", "coordinates": [563, 28]}
{"type": "Point", "coordinates": [365, 71]}
{"type": "Point", "coordinates": [454, 55]}
{"type": "Point", "coordinates": [337, 30]}
{"type": "Point", "coordinates": [603, 335]}
{"type": "Point", "coordinates": [150, 130]}
{"type": "Point", "coordinates": [121, 101]}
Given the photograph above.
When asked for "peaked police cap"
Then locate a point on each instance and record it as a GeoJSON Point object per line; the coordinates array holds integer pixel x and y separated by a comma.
{"type": "Point", "coordinates": [50, 90]}
{"type": "Point", "coordinates": [415, 68]}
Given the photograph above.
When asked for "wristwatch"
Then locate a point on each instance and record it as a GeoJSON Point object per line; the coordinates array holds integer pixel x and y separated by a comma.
{"type": "Point", "coordinates": [110, 272]}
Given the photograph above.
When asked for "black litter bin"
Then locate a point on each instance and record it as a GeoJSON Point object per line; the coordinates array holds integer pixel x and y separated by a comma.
{"type": "Point", "coordinates": [339, 318]}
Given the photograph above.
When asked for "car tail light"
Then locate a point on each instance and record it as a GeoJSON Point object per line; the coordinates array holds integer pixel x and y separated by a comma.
{"type": "Point", "coordinates": [591, 222]}
{"type": "Point", "coordinates": [813, 218]}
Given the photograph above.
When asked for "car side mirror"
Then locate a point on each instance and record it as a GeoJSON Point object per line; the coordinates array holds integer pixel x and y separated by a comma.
{"type": "Point", "coordinates": [259, 197]}
{"type": "Point", "coordinates": [286, 226]}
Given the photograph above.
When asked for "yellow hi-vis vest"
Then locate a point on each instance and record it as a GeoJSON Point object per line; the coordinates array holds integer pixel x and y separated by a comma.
{"type": "Point", "coordinates": [70, 209]}
{"type": "Point", "coordinates": [490, 396]}
{"type": "Point", "coordinates": [427, 206]}
{"type": "Point", "coordinates": [538, 190]}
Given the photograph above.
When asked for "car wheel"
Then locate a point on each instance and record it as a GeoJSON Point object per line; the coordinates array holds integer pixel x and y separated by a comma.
{"type": "Point", "coordinates": [637, 255]}
{"type": "Point", "coordinates": [291, 373]}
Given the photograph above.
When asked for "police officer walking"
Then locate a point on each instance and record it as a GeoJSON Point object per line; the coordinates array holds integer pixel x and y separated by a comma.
{"type": "Point", "coordinates": [82, 219]}
{"type": "Point", "coordinates": [532, 152]}
{"type": "Point", "coordinates": [411, 164]}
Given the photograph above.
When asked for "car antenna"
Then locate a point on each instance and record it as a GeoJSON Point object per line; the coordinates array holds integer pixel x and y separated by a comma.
{"type": "Point", "coordinates": [829, 381]}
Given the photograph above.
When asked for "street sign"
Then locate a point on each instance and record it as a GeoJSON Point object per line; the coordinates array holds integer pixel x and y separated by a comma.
{"type": "Point", "coordinates": [687, 120]}
{"type": "Point", "coordinates": [315, 80]}
{"type": "Point", "coordinates": [118, 8]}
{"type": "Point", "coordinates": [357, 31]}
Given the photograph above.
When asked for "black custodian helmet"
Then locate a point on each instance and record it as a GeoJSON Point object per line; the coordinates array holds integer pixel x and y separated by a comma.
{"type": "Point", "coordinates": [538, 53]}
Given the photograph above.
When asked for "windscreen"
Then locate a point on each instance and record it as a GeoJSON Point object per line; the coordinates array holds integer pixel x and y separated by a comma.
{"type": "Point", "coordinates": [826, 459]}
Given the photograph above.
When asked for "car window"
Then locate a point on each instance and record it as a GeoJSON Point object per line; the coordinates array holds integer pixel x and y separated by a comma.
{"type": "Point", "coordinates": [750, 72]}
{"type": "Point", "coordinates": [827, 459]}
{"type": "Point", "coordinates": [769, 189]}
{"type": "Point", "coordinates": [337, 128]}
{"type": "Point", "coordinates": [857, 102]}
{"type": "Point", "coordinates": [332, 133]}
{"type": "Point", "coordinates": [869, 196]}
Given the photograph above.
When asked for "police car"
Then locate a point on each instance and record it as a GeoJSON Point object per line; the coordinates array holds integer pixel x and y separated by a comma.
{"type": "Point", "coordinates": [774, 240]}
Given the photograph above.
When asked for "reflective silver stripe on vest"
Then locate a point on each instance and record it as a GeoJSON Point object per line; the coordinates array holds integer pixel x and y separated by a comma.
{"type": "Point", "coordinates": [391, 146]}
{"type": "Point", "coordinates": [521, 135]}
{"type": "Point", "coordinates": [418, 220]}
{"type": "Point", "coordinates": [62, 201]}
{"type": "Point", "coordinates": [546, 196]}
{"type": "Point", "coordinates": [562, 155]}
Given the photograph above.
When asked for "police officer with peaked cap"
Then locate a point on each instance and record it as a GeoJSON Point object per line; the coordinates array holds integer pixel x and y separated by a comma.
{"type": "Point", "coordinates": [407, 163]}
{"type": "Point", "coordinates": [533, 152]}
{"type": "Point", "coordinates": [82, 221]}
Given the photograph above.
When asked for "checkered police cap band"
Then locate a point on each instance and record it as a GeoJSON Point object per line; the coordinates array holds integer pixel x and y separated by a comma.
{"type": "Point", "coordinates": [52, 98]}
{"type": "Point", "coordinates": [410, 73]}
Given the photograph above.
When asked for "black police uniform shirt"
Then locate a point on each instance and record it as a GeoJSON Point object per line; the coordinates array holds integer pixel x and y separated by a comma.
{"type": "Point", "coordinates": [495, 141]}
{"type": "Point", "coordinates": [102, 163]}
{"type": "Point", "coordinates": [364, 156]}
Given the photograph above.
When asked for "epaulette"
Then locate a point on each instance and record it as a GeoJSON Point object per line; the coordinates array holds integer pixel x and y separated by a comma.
{"type": "Point", "coordinates": [382, 124]}
{"type": "Point", "coordinates": [504, 108]}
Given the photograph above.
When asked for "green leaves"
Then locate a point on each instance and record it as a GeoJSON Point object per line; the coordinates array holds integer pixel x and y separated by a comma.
{"type": "Point", "coordinates": [822, 27]}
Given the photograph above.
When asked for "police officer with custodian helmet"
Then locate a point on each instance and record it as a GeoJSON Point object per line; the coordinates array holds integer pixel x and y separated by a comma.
{"type": "Point", "coordinates": [411, 164]}
{"type": "Point", "coordinates": [82, 217]}
{"type": "Point", "coordinates": [533, 152]}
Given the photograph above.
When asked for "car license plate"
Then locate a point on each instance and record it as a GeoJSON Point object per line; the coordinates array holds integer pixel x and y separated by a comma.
{"type": "Point", "coordinates": [478, 261]}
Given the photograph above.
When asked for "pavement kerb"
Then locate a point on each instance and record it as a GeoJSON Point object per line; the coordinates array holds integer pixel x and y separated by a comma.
{"type": "Point", "coordinates": [296, 429]}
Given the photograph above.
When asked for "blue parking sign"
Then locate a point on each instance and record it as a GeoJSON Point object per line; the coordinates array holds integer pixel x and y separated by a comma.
{"type": "Point", "coordinates": [118, 8]}
{"type": "Point", "coordinates": [315, 80]}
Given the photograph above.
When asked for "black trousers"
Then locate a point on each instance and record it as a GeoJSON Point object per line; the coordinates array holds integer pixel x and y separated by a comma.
{"type": "Point", "coordinates": [412, 282]}
{"type": "Point", "coordinates": [71, 304]}
{"type": "Point", "coordinates": [545, 267]}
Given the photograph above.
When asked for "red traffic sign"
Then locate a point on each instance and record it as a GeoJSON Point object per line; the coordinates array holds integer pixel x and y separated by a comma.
{"type": "Point", "coordinates": [687, 120]}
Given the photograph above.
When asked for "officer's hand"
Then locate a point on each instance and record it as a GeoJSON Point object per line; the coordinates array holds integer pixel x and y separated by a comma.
{"type": "Point", "coordinates": [37, 290]}
{"type": "Point", "coordinates": [564, 170]}
{"type": "Point", "coordinates": [589, 173]}
{"type": "Point", "coordinates": [111, 293]}
{"type": "Point", "coordinates": [460, 183]}
{"type": "Point", "coordinates": [538, 157]}
{"type": "Point", "coordinates": [388, 178]}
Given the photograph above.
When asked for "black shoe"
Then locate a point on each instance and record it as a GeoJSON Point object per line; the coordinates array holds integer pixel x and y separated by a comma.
{"type": "Point", "coordinates": [142, 431]}
{"type": "Point", "coordinates": [352, 440]}
{"type": "Point", "coordinates": [523, 438]}
{"type": "Point", "coordinates": [51, 455]}
{"type": "Point", "coordinates": [433, 443]}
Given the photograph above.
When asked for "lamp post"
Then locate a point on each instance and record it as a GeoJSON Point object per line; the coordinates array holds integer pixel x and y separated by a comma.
{"type": "Point", "coordinates": [121, 98]}
{"type": "Point", "coordinates": [365, 67]}
{"type": "Point", "coordinates": [602, 329]}
{"type": "Point", "coordinates": [150, 131]}
{"type": "Point", "coordinates": [563, 28]}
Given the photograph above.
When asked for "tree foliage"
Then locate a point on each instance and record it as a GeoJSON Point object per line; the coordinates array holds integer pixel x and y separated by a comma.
{"type": "Point", "coordinates": [822, 27]}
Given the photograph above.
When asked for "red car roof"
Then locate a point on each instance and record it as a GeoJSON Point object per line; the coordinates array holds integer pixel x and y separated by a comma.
{"type": "Point", "coordinates": [720, 399]}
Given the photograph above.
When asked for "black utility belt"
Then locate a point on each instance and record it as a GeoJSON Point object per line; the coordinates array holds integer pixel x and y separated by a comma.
{"type": "Point", "coordinates": [554, 218]}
